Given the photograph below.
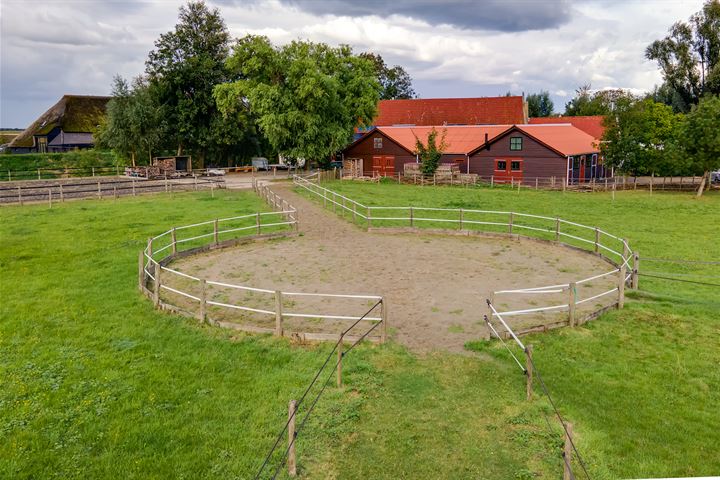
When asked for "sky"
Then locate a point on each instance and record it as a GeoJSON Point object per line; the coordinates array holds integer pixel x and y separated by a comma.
{"type": "Point", "coordinates": [451, 48]}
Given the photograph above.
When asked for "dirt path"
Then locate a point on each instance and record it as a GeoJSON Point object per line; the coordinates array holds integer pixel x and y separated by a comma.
{"type": "Point", "coordinates": [435, 285]}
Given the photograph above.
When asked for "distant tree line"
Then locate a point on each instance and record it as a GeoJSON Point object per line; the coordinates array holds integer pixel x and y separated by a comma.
{"type": "Point", "coordinates": [223, 101]}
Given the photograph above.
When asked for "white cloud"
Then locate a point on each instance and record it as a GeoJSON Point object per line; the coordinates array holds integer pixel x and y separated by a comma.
{"type": "Point", "coordinates": [48, 51]}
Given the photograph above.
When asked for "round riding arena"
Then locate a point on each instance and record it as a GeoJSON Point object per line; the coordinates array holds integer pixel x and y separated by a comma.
{"type": "Point", "coordinates": [434, 285]}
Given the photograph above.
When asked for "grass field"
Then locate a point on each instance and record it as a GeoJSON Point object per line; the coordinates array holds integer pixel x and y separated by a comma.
{"type": "Point", "coordinates": [96, 384]}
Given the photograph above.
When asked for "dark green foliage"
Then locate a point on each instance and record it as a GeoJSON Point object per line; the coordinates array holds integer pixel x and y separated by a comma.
{"type": "Point", "coordinates": [307, 97]}
{"type": "Point", "coordinates": [699, 136]}
{"type": "Point", "coordinates": [79, 159]}
{"type": "Point", "coordinates": [540, 104]}
{"type": "Point", "coordinates": [689, 57]}
{"type": "Point", "coordinates": [395, 82]}
{"type": "Point", "coordinates": [431, 152]}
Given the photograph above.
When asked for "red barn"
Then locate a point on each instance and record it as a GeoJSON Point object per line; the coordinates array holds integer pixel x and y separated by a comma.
{"type": "Point", "coordinates": [452, 111]}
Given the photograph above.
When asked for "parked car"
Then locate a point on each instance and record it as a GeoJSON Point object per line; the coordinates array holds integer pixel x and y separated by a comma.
{"type": "Point", "coordinates": [215, 172]}
{"type": "Point", "coordinates": [260, 163]}
{"type": "Point", "coordinates": [715, 177]}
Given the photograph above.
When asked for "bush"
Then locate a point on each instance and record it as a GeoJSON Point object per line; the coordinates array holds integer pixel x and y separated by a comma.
{"type": "Point", "coordinates": [25, 165]}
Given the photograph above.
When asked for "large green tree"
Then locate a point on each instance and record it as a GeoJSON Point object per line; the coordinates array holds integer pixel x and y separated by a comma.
{"type": "Point", "coordinates": [186, 65]}
{"type": "Point", "coordinates": [540, 104]}
{"type": "Point", "coordinates": [601, 102]}
{"type": "Point", "coordinates": [638, 137]}
{"type": "Point", "coordinates": [699, 138]}
{"type": "Point", "coordinates": [689, 57]}
{"type": "Point", "coordinates": [307, 97]}
{"type": "Point", "coordinates": [431, 151]}
{"type": "Point", "coordinates": [395, 82]}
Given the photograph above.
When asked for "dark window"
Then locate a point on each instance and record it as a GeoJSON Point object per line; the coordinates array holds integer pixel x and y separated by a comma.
{"type": "Point", "coordinates": [515, 166]}
{"type": "Point", "coordinates": [501, 165]}
{"type": "Point", "coordinates": [576, 163]}
{"type": "Point", "coordinates": [515, 143]}
{"type": "Point", "coordinates": [377, 142]}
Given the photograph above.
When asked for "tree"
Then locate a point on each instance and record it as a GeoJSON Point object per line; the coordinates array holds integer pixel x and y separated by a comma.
{"type": "Point", "coordinates": [540, 104]}
{"type": "Point", "coordinates": [307, 97]}
{"type": "Point", "coordinates": [430, 153]}
{"type": "Point", "coordinates": [601, 102]}
{"type": "Point", "coordinates": [689, 56]}
{"type": "Point", "coordinates": [395, 82]}
{"type": "Point", "coordinates": [133, 123]}
{"type": "Point", "coordinates": [638, 137]}
{"type": "Point", "coordinates": [183, 70]}
{"type": "Point", "coordinates": [699, 138]}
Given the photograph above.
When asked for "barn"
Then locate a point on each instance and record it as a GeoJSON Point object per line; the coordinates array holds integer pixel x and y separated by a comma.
{"type": "Point", "coordinates": [590, 124]}
{"type": "Point", "coordinates": [526, 152]}
{"type": "Point", "coordinates": [385, 150]}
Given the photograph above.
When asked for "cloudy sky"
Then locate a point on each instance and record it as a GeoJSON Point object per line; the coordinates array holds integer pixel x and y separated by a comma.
{"type": "Point", "coordinates": [451, 48]}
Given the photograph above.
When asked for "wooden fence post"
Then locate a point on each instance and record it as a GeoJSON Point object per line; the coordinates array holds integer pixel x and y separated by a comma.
{"type": "Point", "coordinates": [636, 270]}
{"type": "Point", "coordinates": [621, 279]}
{"type": "Point", "coordinates": [567, 453]}
{"type": "Point", "coordinates": [369, 219]}
{"type": "Point", "coordinates": [156, 290]}
{"type": "Point", "coordinates": [597, 240]}
{"type": "Point", "coordinates": [173, 237]}
{"type": "Point", "coordinates": [20, 200]}
{"type": "Point", "coordinates": [216, 235]}
{"type": "Point", "coordinates": [529, 370]}
{"type": "Point", "coordinates": [115, 192]}
{"type": "Point", "coordinates": [492, 180]}
{"type": "Point", "coordinates": [339, 361]}
{"type": "Point", "coordinates": [278, 314]}
{"type": "Point", "coordinates": [292, 459]}
{"type": "Point", "coordinates": [99, 190]}
{"type": "Point", "coordinates": [571, 304]}
{"type": "Point", "coordinates": [510, 224]}
{"type": "Point", "coordinates": [354, 212]}
{"type": "Point", "coordinates": [461, 219]}
{"type": "Point", "coordinates": [557, 229]}
{"type": "Point", "coordinates": [50, 197]}
{"type": "Point", "coordinates": [411, 217]}
{"type": "Point", "coordinates": [202, 315]}
{"type": "Point", "coordinates": [384, 320]}
{"type": "Point", "coordinates": [133, 187]}
{"type": "Point", "coordinates": [141, 270]}
{"type": "Point", "coordinates": [536, 183]}
{"type": "Point", "coordinates": [257, 222]}
{"type": "Point", "coordinates": [62, 194]}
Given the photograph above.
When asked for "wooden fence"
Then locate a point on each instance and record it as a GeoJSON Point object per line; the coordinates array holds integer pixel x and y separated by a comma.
{"type": "Point", "coordinates": [615, 250]}
{"type": "Point", "coordinates": [196, 296]}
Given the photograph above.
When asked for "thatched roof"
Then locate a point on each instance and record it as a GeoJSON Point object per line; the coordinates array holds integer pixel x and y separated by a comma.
{"type": "Point", "coordinates": [73, 113]}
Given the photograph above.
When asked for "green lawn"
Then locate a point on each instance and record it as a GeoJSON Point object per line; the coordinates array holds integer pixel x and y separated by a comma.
{"type": "Point", "coordinates": [96, 384]}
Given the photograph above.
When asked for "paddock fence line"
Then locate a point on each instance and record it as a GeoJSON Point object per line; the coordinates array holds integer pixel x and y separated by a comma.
{"type": "Point", "coordinates": [199, 297]}
{"type": "Point", "coordinates": [613, 249]}
{"type": "Point", "coordinates": [503, 331]}
{"type": "Point", "coordinates": [54, 191]}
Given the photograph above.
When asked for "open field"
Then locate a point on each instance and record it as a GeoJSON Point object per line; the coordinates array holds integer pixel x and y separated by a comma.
{"type": "Point", "coordinates": [97, 384]}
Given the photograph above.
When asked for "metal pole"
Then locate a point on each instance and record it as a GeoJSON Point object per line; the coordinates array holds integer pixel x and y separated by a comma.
{"type": "Point", "coordinates": [292, 460]}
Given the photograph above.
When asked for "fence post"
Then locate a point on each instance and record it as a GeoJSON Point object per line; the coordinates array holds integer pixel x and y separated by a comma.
{"type": "Point", "coordinates": [20, 200]}
{"type": "Point", "coordinates": [567, 453]}
{"type": "Point", "coordinates": [557, 229]}
{"type": "Point", "coordinates": [50, 197]}
{"type": "Point", "coordinates": [512, 183]}
{"type": "Point", "coordinates": [510, 224]}
{"type": "Point", "coordinates": [636, 270]}
{"type": "Point", "coordinates": [461, 219]}
{"type": "Point", "coordinates": [354, 212]}
{"type": "Point", "coordinates": [216, 235]}
{"type": "Point", "coordinates": [115, 191]}
{"type": "Point", "coordinates": [571, 304]}
{"type": "Point", "coordinates": [492, 180]}
{"type": "Point", "coordinates": [597, 239]}
{"type": "Point", "coordinates": [278, 314]}
{"type": "Point", "coordinates": [529, 370]}
{"type": "Point", "coordinates": [156, 291]}
{"type": "Point", "coordinates": [339, 361]}
{"type": "Point", "coordinates": [536, 183]}
{"type": "Point", "coordinates": [411, 217]}
{"type": "Point", "coordinates": [174, 240]}
{"type": "Point", "coordinates": [141, 270]}
{"type": "Point", "coordinates": [133, 187]}
{"type": "Point", "coordinates": [93, 171]}
{"type": "Point", "coordinates": [39, 178]}
{"type": "Point", "coordinates": [257, 222]}
{"type": "Point", "coordinates": [202, 314]}
{"type": "Point", "coordinates": [62, 194]}
{"type": "Point", "coordinates": [369, 219]}
{"type": "Point", "coordinates": [384, 320]}
{"type": "Point", "coordinates": [99, 190]}
{"type": "Point", "coordinates": [292, 459]}
{"type": "Point", "coordinates": [621, 280]}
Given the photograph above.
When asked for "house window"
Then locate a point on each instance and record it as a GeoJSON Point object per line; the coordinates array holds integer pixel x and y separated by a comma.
{"type": "Point", "coordinates": [377, 142]}
{"type": "Point", "coordinates": [515, 166]}
{"type": "Point", "coordinates": [501, 165]}
{"type": "Point", "coordinates": [515, 143]}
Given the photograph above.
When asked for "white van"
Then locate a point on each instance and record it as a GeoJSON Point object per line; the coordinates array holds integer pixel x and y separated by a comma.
{"type": "Point", "coordinates": [260, 163]}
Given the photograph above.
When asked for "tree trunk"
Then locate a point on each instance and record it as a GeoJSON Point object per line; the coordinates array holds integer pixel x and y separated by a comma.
{"type": "Point", "coordinates": [132, 156]}
{"type": "Point", "coordinates": [701, 188]}
{"type": "Point", "coordinates": [179, 150]}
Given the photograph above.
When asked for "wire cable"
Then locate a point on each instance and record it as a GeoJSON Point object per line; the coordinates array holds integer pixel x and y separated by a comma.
{"type": "Point", "coordinates": [679, 280]}
{"type": "Point", "coordinates": [674, 260]}
{"type": "Point", "coordinates": [504, 344]}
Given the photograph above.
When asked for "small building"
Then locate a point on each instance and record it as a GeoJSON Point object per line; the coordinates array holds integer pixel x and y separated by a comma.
{"type": "Point", "coordinates": [67, 125]}
{"type": "Point", "coordinates": [526, 152]}
{"type": "Point", "coordinates": [385, 150]}
{"type": "Point", "coordinates": [591, 124]}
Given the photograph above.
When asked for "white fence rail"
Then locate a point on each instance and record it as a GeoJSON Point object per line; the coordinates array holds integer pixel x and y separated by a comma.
{"type": "Point", "coordinates": [593, 239]}
{"type": "Point", "coordinates": [155, 276]}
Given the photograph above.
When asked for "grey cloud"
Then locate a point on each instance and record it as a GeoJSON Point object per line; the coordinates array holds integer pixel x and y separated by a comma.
{"type": "Point", "coordinates": [495, 15]}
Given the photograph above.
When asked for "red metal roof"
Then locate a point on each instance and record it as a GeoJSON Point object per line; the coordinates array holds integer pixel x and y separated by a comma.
{"type": "Point", "coordinates": [451, 111]}
{"type": "Point", "coordinates": [563, 138]}
{"type": "Point", "coordinates": [458, 139]}
{"type": "Point", "coordinates": [592, 125]}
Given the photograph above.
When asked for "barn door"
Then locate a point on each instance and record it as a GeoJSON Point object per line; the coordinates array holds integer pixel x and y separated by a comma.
{"type": "Point", "coordinates": [508, 170]}
{"type": "Point", "coordinates": [383, 165]}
